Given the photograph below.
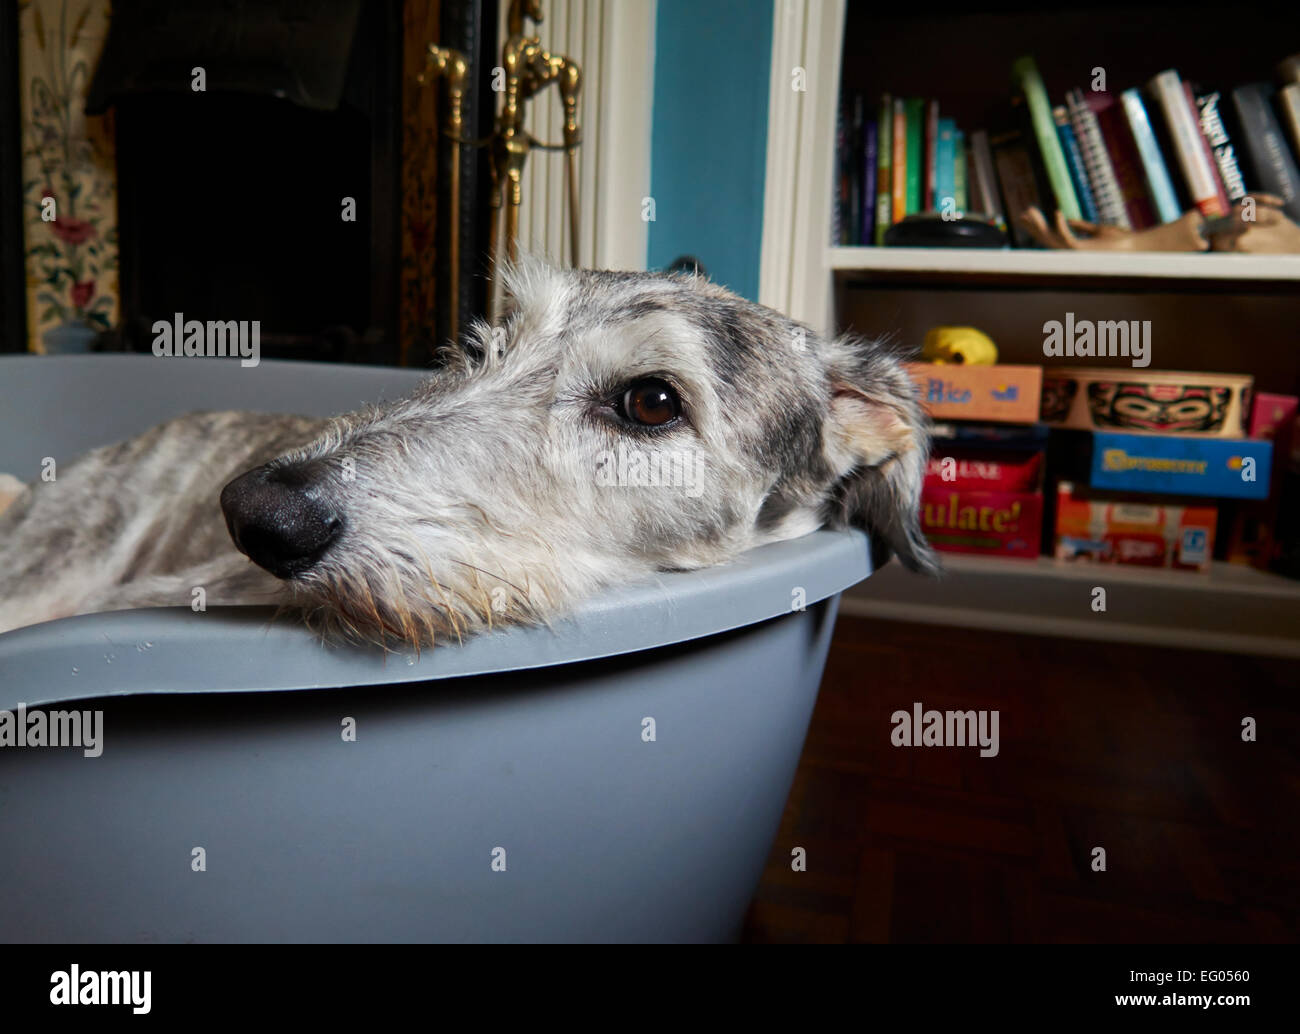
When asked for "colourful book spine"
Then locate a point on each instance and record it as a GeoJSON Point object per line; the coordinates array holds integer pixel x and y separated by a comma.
{"type": "Point", "coordinates": [1073, 158]}
{"type": "Point", "coordinates": [899, 208]}
{"type": "Point", "coordinates": [915, 120]}
{"type": "Point", "coordinates": [945, 156]}
{"type": "Point", "coordinates": [1159, 185]}
{"type": "Point", "coordinates": [1206, 150]}
{"type": "Point", "coordinates": [884, 168]}
{"type": "Point", "coordinates": [1025, 74]}
{"type": "Point", "coordinates": [1197, 172]}
{"type": "Point", "coordinates": [959, 189]}
{"type": "Point", "coordinates": [1225, 155]}
{"type": "Point", "coordinates": [1124, 157]}
{"type": "Point", "coordinates": [929, 200]}
{"type": "Point", "coordinates": [870, 145]}
{"type": "Point", "coordinates": [1096, 160]}
{"type": "Point", "coordinates": [1024, 124]}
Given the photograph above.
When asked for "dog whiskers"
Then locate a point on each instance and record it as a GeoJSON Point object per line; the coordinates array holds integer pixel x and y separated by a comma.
{"type": "Point", "coordinates": [490, 574]}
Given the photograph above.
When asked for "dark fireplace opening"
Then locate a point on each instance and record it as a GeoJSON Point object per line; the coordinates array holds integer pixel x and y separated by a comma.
{"type": "Point", "coordinates": [273, 194]}
{"type": "Point", "coordinates": [232, 208]}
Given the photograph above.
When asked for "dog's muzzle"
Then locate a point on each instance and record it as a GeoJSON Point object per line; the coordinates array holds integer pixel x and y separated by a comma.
{"type": "Point", "coordinates": [278, 518]}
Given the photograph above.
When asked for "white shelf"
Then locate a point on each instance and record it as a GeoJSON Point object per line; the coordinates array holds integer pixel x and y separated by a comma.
{"type": "Point", "coordinates": [1043, 263]}
{"type": "Point", "coordinates": [1230, 608]}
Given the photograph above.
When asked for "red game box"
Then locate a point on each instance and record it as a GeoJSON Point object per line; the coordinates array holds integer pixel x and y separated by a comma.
{"type": "Point", "coordinates": [998, 523]}
{"type": "Point", "coordinates": [983, 501]}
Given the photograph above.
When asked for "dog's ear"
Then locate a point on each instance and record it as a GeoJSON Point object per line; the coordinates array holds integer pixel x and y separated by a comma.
{"type": "Point", "coordinates": [527, 284]}
{"type": "Point", "coordinates": [877, 442]}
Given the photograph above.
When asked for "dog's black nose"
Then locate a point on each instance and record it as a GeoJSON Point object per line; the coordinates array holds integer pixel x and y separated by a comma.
{"type": "Point", "coordinates": [277, 518]}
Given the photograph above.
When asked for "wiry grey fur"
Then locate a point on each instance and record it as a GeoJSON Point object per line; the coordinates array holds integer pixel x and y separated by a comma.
{"type": "Point", "coordinates": [479, 500]}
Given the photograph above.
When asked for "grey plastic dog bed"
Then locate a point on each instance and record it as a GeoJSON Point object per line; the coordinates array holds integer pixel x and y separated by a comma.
{"type": "Point", "coordinates": [529, 747]}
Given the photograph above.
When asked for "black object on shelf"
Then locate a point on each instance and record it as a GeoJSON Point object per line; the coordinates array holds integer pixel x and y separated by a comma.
{"type": "Point", "coordinates": [932, 230]}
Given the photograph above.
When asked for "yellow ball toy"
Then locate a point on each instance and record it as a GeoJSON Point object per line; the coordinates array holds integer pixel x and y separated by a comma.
{"type": "Point", "coordinates": [959, 345]}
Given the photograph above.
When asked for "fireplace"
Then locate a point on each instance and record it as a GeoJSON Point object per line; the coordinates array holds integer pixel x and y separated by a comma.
{"type": "Point", "coordinates": [259, 171]}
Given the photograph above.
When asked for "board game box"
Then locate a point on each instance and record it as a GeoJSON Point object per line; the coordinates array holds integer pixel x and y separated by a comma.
{"type": "Point", "coordinates": [1173, 535]}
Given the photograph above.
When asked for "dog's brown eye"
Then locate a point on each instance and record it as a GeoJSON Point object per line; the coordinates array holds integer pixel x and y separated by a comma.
{"type": "Point", "coordinates": [652, 403]}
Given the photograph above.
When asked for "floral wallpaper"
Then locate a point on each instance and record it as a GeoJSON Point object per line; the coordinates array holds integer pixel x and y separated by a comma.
{"type": "Point", "coordinates": [70, 189]}
{"type": "Point", "coordinates": [69, 182]}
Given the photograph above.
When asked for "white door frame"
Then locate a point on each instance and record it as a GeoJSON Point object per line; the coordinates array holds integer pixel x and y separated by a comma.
{"type": "Point", "coordinates": [627, 123]}
{"type": "Point", "coordinates": [794, 272]}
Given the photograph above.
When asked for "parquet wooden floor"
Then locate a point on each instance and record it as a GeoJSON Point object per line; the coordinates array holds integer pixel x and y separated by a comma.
{"type": "Point", "coordinates": [1137, 750]}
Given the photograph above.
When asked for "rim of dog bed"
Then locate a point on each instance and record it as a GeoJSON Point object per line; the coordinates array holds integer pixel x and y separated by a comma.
{"type": "Point", "coordinates": [244, 649]}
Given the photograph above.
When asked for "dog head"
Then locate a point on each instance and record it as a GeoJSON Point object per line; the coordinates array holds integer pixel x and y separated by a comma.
{"type": "Point", "coordinates": [610, 425]}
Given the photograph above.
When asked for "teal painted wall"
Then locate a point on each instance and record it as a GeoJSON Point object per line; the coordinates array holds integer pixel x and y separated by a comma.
{"type": "Point", "coordinates": [709, 138]}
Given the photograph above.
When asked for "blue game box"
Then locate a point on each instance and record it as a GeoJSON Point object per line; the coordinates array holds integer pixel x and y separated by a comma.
{"type": "Point", "coordinates": [1235, 468]}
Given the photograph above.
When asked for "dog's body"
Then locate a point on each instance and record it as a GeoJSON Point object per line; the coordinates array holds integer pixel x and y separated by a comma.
{"type": "Point", "coordinates": [137, 524]}
{"type": "Point", "coordinates": [500, 490]}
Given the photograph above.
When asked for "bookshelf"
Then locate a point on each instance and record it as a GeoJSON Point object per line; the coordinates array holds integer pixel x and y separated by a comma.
{"type": "Point", "coordinates": [1215, 312]}
{"type": "Point", "coordinates": [1013, 262]}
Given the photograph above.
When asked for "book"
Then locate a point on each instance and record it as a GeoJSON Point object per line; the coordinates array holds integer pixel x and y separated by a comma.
{"type": "Point", "coordinates": [899, 188]}
{"type": "Point", "coordinates": [930, 186]}
{"type": "Point", "coordinates": [1190, 94]}
{"type": "Point", "coordinates": [1271, 166]}
{"type": "Point", "coordinates": [1074, 159]}
{"type": "Point", "coordinates": [1023, 121]}
{"type": "Point", "coordinates": [1159, 185]}
{"type": "Point", "coordinates": [945, 167]}
{"type": "Point", "coordinates": [1025, 74]}
{"type": "Point", "coordinates": [1106, 192]}
{"type": "Point", "coordinates": [853, 167]}
{"type": "Point", "coordinates": [1165, 141]}
{"type": "Point", "coordinates": [1215, 131]}
{"type": "Point", "coordinates": [984, 188]}
{"type": "Point", "coordinates": [915, 122]}
{"type": "Point", "coordinates": [1124, 159]}
{"type": "Point", "coordinates": [838, 200]}
{"type": "Point", "coordinates": [870, 146]}
{"type": "Point", "coordinates": [1015, 173]}
{"type": "Point", "coordinates": [1288, 109]}
{"type": "Point", "coordinates": [1188, 151]}
{"type": "Point", "coordinates": [959, 188]}
{"type": "Point", "coordinates": [884, 168]}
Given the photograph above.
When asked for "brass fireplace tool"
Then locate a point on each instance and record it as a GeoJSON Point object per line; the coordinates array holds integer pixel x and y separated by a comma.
{"type": "Point", "coordinates": [525, 70]}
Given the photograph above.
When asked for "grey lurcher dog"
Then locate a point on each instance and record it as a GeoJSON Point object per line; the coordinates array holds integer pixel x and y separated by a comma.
{"type": "Point", "coordinates": [611, 425]}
